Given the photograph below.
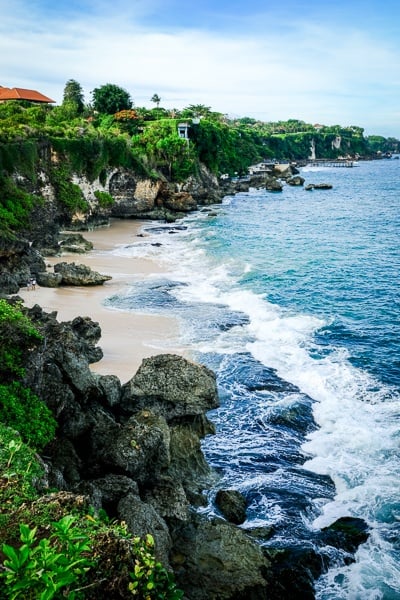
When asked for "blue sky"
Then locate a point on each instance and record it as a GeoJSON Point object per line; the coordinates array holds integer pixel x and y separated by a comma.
{"type": "Point", "coordinates": [330, 63]}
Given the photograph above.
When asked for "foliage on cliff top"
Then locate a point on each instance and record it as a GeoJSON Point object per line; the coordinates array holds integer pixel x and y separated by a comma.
{"type": "Point", "coordinates": [147, 139]}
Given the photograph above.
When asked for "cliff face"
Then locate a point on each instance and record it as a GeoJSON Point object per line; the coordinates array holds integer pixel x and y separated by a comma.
{"type": "Point", "coordinates": [53, 186]}
{"type": "Point", "coordinates": [75, 190]}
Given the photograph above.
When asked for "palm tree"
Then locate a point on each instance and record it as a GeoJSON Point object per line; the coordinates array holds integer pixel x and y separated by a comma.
{"type": "Point", "coordinates": [156, 99]}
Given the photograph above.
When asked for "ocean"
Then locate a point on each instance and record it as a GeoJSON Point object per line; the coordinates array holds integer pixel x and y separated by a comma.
{"type": "Point", "coordinates": [292, 299]}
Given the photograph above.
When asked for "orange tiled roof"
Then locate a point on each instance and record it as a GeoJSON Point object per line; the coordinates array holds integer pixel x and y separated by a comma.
{"type": "Point", "coordinates": [22, 94]}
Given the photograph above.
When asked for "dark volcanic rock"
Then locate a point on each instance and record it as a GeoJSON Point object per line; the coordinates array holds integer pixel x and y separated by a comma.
{"type": "Point", "coordinates": [74, 242]}
{"type": "Point", "coordinates": [347, 533]}
{"type": "Point", "coordinates": [49, 279]}
{"type": "Point", "coordinates": [273, 185]}
{"type": "Point", "coordinates": [232, 505]}
{"type": "Point", "coordinates": [214, 560]}
{"type": "Point", "coordinates": [172, 387]}
{"type": "Point", "coordinates": [296, 180]}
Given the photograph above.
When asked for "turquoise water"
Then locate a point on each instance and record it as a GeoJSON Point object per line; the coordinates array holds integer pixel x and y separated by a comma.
{"type": "Point", "coordinates": [293, 299]}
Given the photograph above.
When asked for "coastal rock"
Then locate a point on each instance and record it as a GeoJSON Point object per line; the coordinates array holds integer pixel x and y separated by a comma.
{"type": "Point", "coordinates": [73, 274]}
{"type": "Point", "coordinates": [273, 185]}
{"type": "Point", "coordinates": [293, 572]}
{"type": "Point", "coordinates": [284, 171]}
{"type": "Point", "coordinates": [347, 533]}
{"type": "Point", "coordinates": [232, 505]}
{"type": "Point", "coordinates": [180, 202]}
{"type": "Point", "coordinates": [214, 560]}
{"type": "Point", "coordinates": [171, 386]}
{"type": "Point", "coordinates": [8, 284]}
{"type": "Point", "coordinates": [296, 180]}
{"type": "Point", "coordinates": [204, 187]}
{"type": "Point", "coordinates": [74, 242]}
{"type": "Point", "coordinates": [139, 449]}
{"type": "Point", "coordinates": [132, 195]}
{"type": "Point", "coordinates": [49, 279]}
{"type": "Point", "coordinates": [142, 519]}
{"type": "Point", "coordinates": [318, 186]}
{"type": "Point", "coordinates": [18, 263]}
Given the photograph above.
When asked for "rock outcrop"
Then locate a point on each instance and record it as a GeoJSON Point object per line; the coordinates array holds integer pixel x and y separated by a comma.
{"type": "Point", "coordinates": [73, 274]}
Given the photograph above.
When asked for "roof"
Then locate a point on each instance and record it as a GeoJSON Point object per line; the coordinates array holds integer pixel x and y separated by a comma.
{"type": "Point", "coordinates": [22, 94]}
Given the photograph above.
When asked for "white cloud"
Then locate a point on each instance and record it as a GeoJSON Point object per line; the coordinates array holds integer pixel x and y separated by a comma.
{"type": "Point", "coordinates": [306, 70]}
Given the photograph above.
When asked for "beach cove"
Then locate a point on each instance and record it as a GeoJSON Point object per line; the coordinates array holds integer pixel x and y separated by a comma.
{"type": "Point", "coordinates": [127, 337]}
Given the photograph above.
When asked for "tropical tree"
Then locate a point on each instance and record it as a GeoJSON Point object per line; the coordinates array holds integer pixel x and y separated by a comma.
{"type": "Point", "coordinates": [156, 99]}
{"type": "Point", "coordinates": [73, 97]}
{"type": "Point", "coordinates": [110, 99]}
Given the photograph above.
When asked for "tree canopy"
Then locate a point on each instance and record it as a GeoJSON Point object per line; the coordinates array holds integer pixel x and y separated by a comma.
{"type": "Point", "coordinates": [110, 99]}
{"type": "Point", "coordinates": [73, 96]}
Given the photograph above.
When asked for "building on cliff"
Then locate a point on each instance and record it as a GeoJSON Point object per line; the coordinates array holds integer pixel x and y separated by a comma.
{"type": "Point", "coordinates": [23, 94]}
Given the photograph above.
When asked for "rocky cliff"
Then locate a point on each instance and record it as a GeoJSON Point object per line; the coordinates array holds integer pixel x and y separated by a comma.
{"type": "Point", "coordinates": [134, 450]}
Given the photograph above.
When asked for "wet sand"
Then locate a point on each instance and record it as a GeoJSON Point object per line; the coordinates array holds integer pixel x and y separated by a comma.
{"type": "Point", "coordinates": [127, 337]}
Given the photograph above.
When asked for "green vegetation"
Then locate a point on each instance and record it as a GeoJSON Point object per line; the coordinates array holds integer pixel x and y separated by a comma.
{"type": "Point", "coordinates": [110, 98]}
{"type": "Point", "coordinates": [19, 407]}
{"type": "Point", "coordinates": [88, 140]}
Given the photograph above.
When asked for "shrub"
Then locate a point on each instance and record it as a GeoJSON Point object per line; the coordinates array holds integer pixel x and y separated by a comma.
{"type": "Point", "coordinates": [42, 568]}
{"type": "Point", "coordinates": [18, 337]}
{"type": "Point", "coordinates": [22, 410]}
{"type": "Point", "coordinates": [104, 198]}
{"type": "Point", "coordinates": [19, 469]}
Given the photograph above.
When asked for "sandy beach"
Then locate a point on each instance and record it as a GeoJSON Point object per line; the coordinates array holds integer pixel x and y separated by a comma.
{"type": "Point", "coordinates": [127, 337]}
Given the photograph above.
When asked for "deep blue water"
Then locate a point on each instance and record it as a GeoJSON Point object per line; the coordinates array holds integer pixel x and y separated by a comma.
{"type": "Point", "coordinates": [293, 300]}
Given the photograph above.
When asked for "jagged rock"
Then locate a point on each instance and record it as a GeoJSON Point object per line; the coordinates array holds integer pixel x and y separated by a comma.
{"type": "Point", "coordinates": [74, 242]}
{"type": "Point", "coordinates": [139, 449]}
{"type": "Point", "coordinates": [232, 505]}
{"type": "Point", "coordinates": [141, 519]}
{"type": "Point", "coordinates": [347, 533]}
{"type": "Point", "coordinates": [296, 181]}
{"type": "Point", "coordinates": [171, 386]}
{"type": "Point", "coordinates": [293, 572]}
{"type": "Point", "coordinates": [106, 492]}
{"type": "Point", "coordinates": [273, 185]}
{"type": "Point", "coordinates": [111, 387]}
{"type": "Point", "coordinates": [318, 186]}
{"type": "Point", "coordinates": [169, 499]}
{"type": "Point", "coordinates": [48, 279]}
{"type": "Point", "coordinates": [180, 201]}
{"type": "Point", "coordinates": [214, 560]}
{"type": "Point", "coordinates": [188, 464]}
{"type": "Point", "coordinates": [8, 284]}
{"type": "Point", "coordinates": [73, 274]}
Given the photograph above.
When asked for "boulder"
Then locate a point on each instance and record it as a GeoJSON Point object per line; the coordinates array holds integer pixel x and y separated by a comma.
{"type": "Point", "coordinates": [49, 279]}
{"type": "Point", "coordinates": [140, 449]}
{"type": "Point", "coordinates": [171, 386]}
{"type": "Point", "coordinates": [73, 274]}
{"type": "Point", "coordinates": [347, 533]}
{"type": "Point", "coordinates": [141, 519]}
{"type": "Point", "coordinates": [214, 560]}
{"type": "Point", "coordinates": [180, 201]}
{"type": "Point", "coordinates": [74, 242]}
{"type": "Point", "coordinates": [296, 180]}
{"type": "Point", "coordinates": [8, 284]}
{"type": "Point", "coordinates": [318, 186]}
{"type": "Point", "coordinates": [323, 186]}
{"type": "Point", "coordinates": [232, 505]}
{"type": "Point", "coordinates": [273, 185]}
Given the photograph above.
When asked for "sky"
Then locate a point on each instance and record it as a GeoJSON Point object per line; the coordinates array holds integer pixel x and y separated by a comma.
{"type": "Point", "coordinates": [333, 63]}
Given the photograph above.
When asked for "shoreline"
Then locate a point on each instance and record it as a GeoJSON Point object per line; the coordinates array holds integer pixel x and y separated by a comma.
{"type": "Point", "coordinates": [126, 337]}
